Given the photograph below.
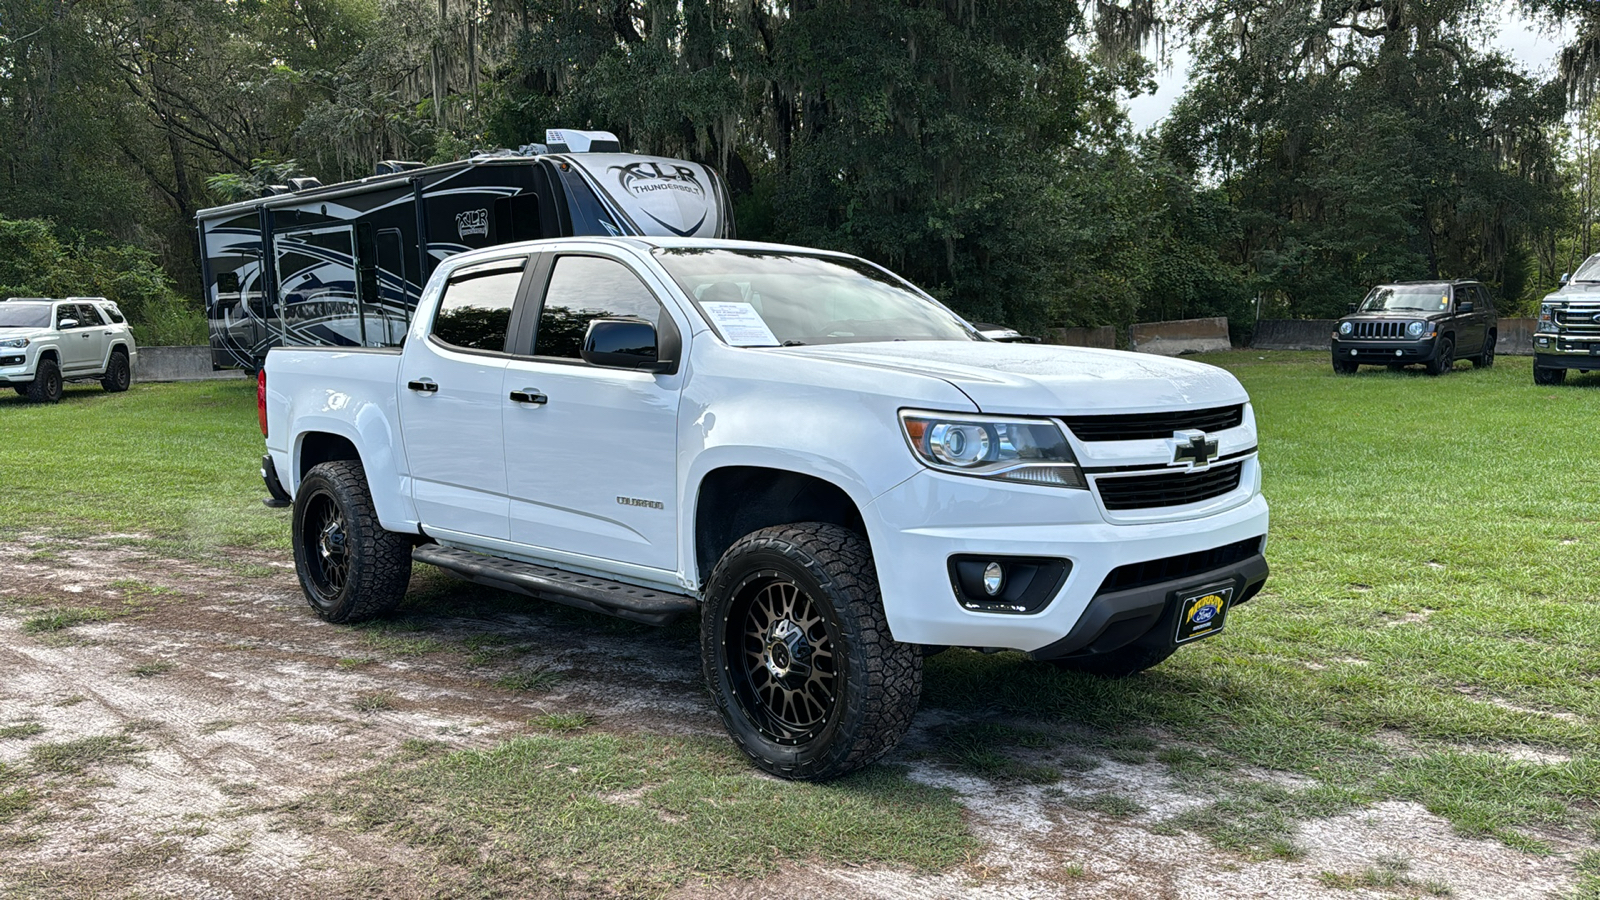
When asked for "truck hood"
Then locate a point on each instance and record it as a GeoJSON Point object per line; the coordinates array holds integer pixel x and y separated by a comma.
{"type": "Point", "coordinates": [1030, 379]}
{"type": "Point", "coordinates": [21, 331]}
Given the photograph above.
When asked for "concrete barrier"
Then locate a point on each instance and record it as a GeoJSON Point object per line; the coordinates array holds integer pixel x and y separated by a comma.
{"type": "Point", "coordinates": [178, 364]}
{"type": "Point", "coordinates": [1182, 336]}
{"type": "Point", "coordinates": [1515, 337]}
{"type": "Point", "coordinates": [1104, 337]}
{"type": "Point", "coordinates": [1293, 334]}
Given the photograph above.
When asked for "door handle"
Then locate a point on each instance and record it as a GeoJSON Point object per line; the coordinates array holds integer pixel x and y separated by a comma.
{"type": "Point", "coordinates": [424, 385]}
{"type": "Point", "coordinates": [530, 395]}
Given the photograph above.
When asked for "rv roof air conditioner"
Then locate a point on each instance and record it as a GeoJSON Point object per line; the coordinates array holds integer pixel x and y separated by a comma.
{"type": "Point", "coordinates": [305, 184]}
{"type": "Point", "coordinates": [563, 140]}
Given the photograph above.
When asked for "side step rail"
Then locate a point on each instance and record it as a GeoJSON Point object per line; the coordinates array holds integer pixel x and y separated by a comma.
{"type": "Point", "coordinates": [625, 601]}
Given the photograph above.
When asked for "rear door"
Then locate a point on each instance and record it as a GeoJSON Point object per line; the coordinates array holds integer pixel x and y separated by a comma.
{"type": "Point", "coordinates": [450, 397]}
{"type": "Point", "coordinates": [97, 334]}
{"type": "Point", "coordinates": [591, 468]}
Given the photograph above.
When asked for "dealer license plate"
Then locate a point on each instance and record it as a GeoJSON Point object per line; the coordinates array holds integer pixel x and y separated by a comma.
{"type": "Point", "coordinates": [1200, 613]}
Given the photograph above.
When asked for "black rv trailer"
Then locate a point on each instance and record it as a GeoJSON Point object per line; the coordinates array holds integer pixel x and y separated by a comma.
{"type": "Point", "coordinates": [344, 264]}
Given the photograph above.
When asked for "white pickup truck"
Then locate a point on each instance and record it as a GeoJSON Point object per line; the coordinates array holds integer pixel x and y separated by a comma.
{"type": "Point", "coordinates": [834, 470]}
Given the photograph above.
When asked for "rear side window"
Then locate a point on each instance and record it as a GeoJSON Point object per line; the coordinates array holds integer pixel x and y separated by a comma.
{"type": "Point", "coordinates": [475, 312]}
{"type": "Point", "coordinates": [88, 314]}
{"type": "Point", "coordinates": [584, 288]}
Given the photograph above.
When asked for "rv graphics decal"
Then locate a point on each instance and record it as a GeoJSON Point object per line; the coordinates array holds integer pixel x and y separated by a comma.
{"type": "Point", "coordinates": [473, 221]}
{"type": "Point", "coordinates": [643, 178]}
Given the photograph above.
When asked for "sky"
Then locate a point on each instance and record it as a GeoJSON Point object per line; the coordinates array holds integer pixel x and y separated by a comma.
{"type": "Point", "coordinates": [1535, 48]}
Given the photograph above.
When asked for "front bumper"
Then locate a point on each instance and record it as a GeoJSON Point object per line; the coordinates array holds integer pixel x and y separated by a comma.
{"type": "Point", "coordinates": [976, 519]}
{"type": "Point", "coordinates": [1385, 353]}
{"type": "Point", "coordinates": [16, 365]}
{"type": "Point", "coordinates": [1551, 352]}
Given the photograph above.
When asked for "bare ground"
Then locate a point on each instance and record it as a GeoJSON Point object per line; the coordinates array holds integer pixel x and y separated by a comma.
{"type": "Point", "coordinates": [237, 702]}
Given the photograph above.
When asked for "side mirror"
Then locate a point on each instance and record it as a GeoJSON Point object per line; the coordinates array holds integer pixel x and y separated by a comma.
{"type": "Point", "coordinates": [1564, 277]}
{"type": "Point", "coordinates": [1464, 306]}
{"type": "Point", "coordinates": [623, 344]}
{"type": "Point", "coordinates": [67, 323]}
{"type": "Point", "coordinates": [1351, 308]}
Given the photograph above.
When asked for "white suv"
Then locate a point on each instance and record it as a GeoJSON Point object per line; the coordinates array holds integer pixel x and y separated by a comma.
{"type": "Point", "coordinates": [44, 343]}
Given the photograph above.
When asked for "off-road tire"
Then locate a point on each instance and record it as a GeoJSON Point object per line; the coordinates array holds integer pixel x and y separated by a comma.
{"type": "Point", "coordinates": [1546, 375]}
{"type": "Point", "coordinates": [350, 568]}
{"type": "Point", "coordinates": [1119, 663]}
{"type": "Point", "coordinates": [864, 682]}
{"type": "Point", "coordinates": [1445, 359]}
{"type": "Point", "coordinates": [21, 389]}
{"type": "Point", "coordinates": [1345, 367]}
{"type": "Point", "coordinates": [118, 375]}
{"type": "Point", "coordinates": [1485, 359]}
{"type": "Point", "coordinates": [46, 386]}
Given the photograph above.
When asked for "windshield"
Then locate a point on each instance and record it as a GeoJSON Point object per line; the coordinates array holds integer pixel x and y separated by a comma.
{"type": "Point", "coordinates": [771, 298]}
{"type": "Point", "coordinates": [24, 315]}
{"type": "Point", "coordinates": [1409, 297]}
{"type": "Point", "coordinates": [1589, 271]}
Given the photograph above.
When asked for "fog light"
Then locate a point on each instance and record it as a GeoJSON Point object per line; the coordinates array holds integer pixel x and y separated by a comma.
{"type": "Point", "coordinates": [1352, 351]}
{"type": "Point", "coordinates": [994, 578]}
{"type": "Point", "coordinates": [1399, 353]}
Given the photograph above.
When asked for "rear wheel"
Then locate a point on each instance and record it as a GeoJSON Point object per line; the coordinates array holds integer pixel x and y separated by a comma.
{"type": "Point", "coordinates": [798, 654]}
{"type": "Point", "coordinates": [118, 375]}
{"type": "Point", "coordinates": [46, 386]}
{"type": "Point", "coordinates": [1546, 375]}
{"type": "Point", "coordinates": [1445, 359]}
{"type": "Point", "coordinates": [350, 568]}
{"type": "Point", "coordinates": [1486, 358]}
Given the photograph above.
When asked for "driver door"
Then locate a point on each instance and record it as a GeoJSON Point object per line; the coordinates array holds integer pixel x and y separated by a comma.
{"type": "Point", "coordinates": [591, 467]}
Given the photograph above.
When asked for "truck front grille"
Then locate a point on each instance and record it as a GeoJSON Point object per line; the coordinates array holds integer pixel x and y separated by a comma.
{"type": "Point", "coordinates": [1172, 568]}
{"type": "Point", "coordinates": [1579, 321]}
{"type": "Point", "coordinates": [1145, 426]}
{"type": "Point", "coordinates": [1167, 489]}
{"type": "Point", "coordinates": [1379, 330]}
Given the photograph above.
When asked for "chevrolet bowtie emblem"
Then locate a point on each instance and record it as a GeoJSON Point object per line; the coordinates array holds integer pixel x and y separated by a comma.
{"type": "Point", "coordinates": [1193, 447]}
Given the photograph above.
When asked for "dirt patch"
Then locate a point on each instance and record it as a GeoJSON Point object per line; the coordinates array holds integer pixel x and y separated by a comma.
{"type": "Point", "coordinates": [234, 704]}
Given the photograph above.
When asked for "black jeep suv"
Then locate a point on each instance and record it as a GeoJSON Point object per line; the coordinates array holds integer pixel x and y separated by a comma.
{"type": "Point", "coordinates": [1429, 322]}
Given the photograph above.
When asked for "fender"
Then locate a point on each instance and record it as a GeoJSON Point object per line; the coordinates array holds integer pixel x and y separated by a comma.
{"type": "Point", "coordinates": [375, 443]}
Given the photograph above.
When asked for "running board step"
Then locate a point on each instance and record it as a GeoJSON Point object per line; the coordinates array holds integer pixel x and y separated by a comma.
{"type": "Point", "coordinates": [625, 601]}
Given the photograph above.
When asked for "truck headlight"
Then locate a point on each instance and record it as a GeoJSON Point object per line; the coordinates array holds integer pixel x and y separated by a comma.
{"type": "Point", "coordinates": [1346, 328]}
{"type": "Point", "coordinates": [1547, 319]}
{"type": "Point", "coordinates": [1415, 329]}
{"type": "Point", "coordinates": [14, 343]}
{"type": "Point", "coordinates": [1027, 451]}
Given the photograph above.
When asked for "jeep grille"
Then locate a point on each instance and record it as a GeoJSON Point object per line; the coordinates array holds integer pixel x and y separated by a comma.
{"type": "Point", "coordinates": [1380, 330]}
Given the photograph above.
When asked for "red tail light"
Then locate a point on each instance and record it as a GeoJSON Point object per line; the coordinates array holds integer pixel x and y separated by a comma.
{"type": "Point", "coordinates": [261, 399]}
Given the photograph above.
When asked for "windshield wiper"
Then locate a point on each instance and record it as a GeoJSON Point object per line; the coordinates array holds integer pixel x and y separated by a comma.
{"type": "Point", "coordinates": [793, 344]}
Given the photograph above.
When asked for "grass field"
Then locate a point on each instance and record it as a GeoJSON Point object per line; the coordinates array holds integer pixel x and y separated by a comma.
{"type": "Point", "coordinates": [1430, 631]}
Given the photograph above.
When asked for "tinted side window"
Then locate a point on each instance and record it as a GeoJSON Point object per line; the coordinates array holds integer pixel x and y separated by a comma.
{"type": "Point", "coordinates": [64, 312]}
{"type": "Point", "coordinates": [583, 288]}
{"type": "Point", "coordinates": [1485, 304]}
{"type": "Point", "coordinates": [475, 311]}
{"type": "Point", "coordinates": [89, 314]}
{"type": "Point", "coordinates": [113, 314]}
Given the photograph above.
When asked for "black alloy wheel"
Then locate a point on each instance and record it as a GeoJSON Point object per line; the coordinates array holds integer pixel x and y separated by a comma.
{"type": "Point", "coordinates": [350, 568]}
{"type": "Point", "coordinates": [46, 386]}
{"type": "Point", "coordinates": [786, 679]}
{"type": "Point", "coordinates": [1445, 359]}
{"type": "Point", "coordinates": [118, 374]}
{"type": "Point", "coordinates": [1486, 358]}
{"type": "Point", "coordinates": [1345, 367]}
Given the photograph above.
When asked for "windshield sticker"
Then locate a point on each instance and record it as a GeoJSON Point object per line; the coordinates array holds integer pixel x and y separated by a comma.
{"type": "Point", "coordinates": [740, 324]}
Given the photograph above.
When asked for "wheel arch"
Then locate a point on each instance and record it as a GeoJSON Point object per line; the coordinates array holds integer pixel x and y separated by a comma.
{"type": "Point", "coordinates": [325, 439]}
{"type": "Point", "coordinates": [734, 500]}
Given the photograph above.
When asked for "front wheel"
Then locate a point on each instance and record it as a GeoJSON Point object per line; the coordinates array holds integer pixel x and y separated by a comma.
{"type": "Point", "coordinates": [1544, 375]}
{"type": "Point", "coordinates": [1445, 359]}
{"type": "Point", "coordinates": [1344, 367]}
{"type": "Point", "coordinates": [798, 654]}
{"type": "Point", "coordinates": [46, 386]}
{"type": "Point", "coordinates": [350, 568]}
